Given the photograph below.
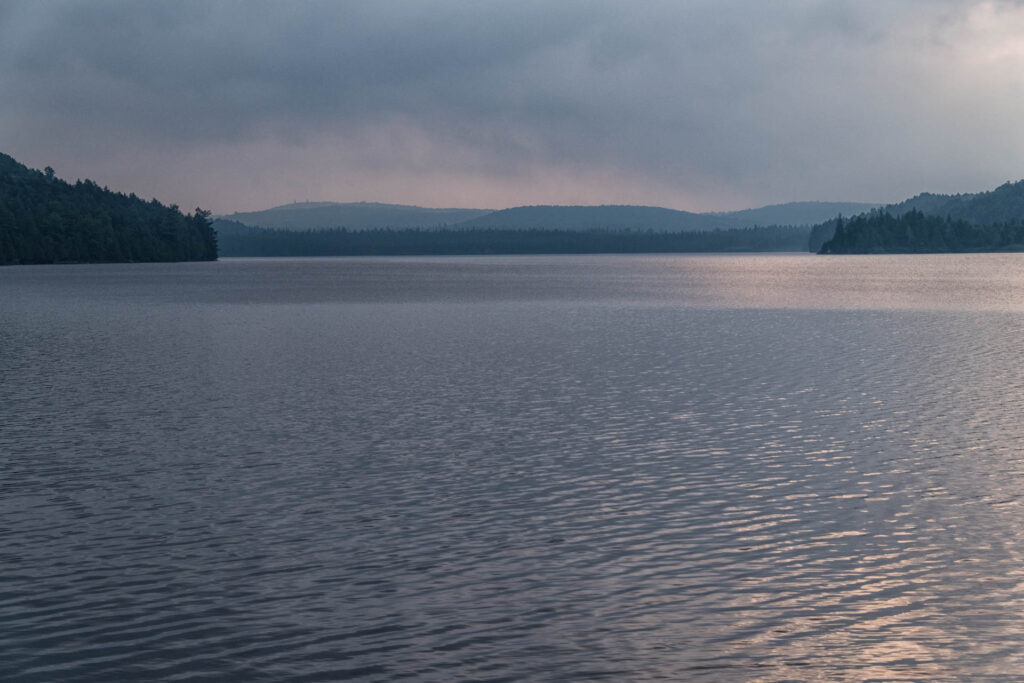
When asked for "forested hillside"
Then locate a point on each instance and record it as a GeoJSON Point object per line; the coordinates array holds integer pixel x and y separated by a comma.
{"type": "Point", "coordinates": [46, 220]}
{"type": "Point", "coordinates": [1001, 206]}
{"type": "Point", "coordinates": [880, 232]}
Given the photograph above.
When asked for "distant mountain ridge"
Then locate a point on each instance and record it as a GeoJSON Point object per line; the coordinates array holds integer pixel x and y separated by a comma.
{"type": "Point", "coordinates": [352, 215]}
{"type": "Point", "coordinates": [369, 215]}
{"type": "Point", "coordinates": [610, 217]}
{"type": "Point", "coordinates": [626, 217]}
{"type": "Point", "coordinates": [796, 213]}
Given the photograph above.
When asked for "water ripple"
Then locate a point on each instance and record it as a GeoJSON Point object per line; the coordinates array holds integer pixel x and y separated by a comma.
{"type": "Point", "coordinates": [574, 487]}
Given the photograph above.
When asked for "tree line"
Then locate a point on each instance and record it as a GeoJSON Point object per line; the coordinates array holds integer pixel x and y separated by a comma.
{"type": "Point", "coordinates": [880, 232]}
{"type": "Point", "coordinates": [237, 239]}
{"type": "Point", "coordinates": [44, 219]}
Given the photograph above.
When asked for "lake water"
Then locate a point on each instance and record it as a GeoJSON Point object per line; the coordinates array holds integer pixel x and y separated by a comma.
{"type": "Point", "coordinates": [504, 468]}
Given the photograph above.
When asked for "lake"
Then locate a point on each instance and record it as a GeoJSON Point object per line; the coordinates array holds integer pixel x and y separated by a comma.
{"type": "Point", "coordinates": [730, 467]}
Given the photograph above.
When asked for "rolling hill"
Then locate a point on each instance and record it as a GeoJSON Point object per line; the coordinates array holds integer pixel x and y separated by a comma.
{"type": "Point", "coordinates": [352, 215]}
{"type": "Point", "coordinates": [367, 215]}
{"type": "Point", "coordinates": [595, 218]}
{"type": "Point", "coordinates": [794, 213]}
{"type": "Point", "coordinates": [1001, 205]}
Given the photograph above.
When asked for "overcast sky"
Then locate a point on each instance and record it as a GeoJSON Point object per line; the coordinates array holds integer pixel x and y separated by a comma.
{"type": "Point", "coordinates": [697, 105]}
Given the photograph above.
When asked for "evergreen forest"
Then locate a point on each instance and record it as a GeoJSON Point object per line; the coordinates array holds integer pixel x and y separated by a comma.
{"type": "Point", "coordinates": [880, 232]}
{"type": "Point", "coordinates": [994, 215]}
{"type": "Point", "coordinates": [44, 219]}
{"type": "Point", "coordinates": [237, 239]}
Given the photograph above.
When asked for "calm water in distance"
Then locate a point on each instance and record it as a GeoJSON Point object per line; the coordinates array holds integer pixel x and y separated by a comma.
{"type": "Point", "coordinates": [749, 468]}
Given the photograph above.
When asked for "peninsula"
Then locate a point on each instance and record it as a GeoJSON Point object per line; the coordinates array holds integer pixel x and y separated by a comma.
{"type": "Point", "coordinates": [44, 219]}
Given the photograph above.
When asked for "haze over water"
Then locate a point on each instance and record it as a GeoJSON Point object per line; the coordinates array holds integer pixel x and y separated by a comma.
{"type": "Point", "coordinates": [497, 468]}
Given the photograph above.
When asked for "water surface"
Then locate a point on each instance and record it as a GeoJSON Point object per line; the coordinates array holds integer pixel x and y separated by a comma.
{"type": "Point", "coordinates": [505, 468]}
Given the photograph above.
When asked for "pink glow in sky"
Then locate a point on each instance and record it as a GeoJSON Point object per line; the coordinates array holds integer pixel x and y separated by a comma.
{"type": "Point", "coordinates": [705, 105]}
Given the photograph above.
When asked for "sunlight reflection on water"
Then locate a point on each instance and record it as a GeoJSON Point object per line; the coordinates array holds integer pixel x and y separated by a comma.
{"type": "Point", "coordinates": [736, 467]}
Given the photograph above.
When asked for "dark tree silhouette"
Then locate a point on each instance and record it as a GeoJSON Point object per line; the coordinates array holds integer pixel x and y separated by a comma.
{"type": "Point", "coordinates": [880, 232]}
{"type": "Point", "coordinates": [46, 220]}
{"type": "Point", "coordinates": [237, 239]}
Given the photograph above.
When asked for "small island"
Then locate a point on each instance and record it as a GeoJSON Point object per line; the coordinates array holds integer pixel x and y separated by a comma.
{"type": "Point", "coordinates": [44, 219]}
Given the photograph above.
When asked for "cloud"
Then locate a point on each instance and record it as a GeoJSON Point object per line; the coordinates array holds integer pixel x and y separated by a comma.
{"type": "Point", "coordinates": [711, 104]}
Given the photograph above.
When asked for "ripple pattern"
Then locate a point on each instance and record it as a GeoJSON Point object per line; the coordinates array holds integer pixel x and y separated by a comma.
{"type": "Point", "coordinates": [559, 488]}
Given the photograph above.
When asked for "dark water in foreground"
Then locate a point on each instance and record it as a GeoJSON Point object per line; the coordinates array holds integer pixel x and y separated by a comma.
{"type": "Point", "coordinates": [735, 468]}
